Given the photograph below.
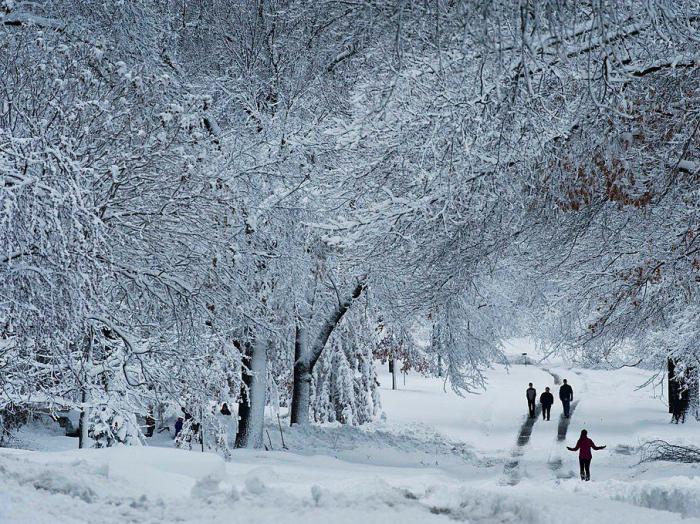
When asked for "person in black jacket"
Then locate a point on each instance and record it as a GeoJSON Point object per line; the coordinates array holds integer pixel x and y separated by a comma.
{"type": "Point", "coordinates": [531, 396]}
{"type": "Point", "coordinates": [546, 399]}
{"type": "Point", "coordinates": [566, 395]}
{"type": "Point", "coordinates": [178, 425]}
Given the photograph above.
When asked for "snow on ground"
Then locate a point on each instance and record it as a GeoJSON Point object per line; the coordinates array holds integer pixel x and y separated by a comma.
{"type": "Point", "coordinates": [491, 418]}
{"type": "Point", "coordinates": [433, 457]}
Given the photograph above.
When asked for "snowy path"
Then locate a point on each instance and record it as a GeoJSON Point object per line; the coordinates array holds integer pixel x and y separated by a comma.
{"type": "Point", "coordinates": [511, 469]}
{"type": "Point", "coordinates": [438, 458]}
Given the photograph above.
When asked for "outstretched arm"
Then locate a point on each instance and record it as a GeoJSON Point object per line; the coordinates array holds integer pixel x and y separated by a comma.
{"type": "Point", "coordinates": [596, 447]}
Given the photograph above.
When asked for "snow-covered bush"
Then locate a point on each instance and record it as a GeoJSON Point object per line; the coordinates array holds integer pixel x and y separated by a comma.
{"type": "Point", "coordinates": [12, 417]}
{"type": "Point", "coordinates": [345, 384]}
{"type": "Point", "coordinates": [108, 427]}
{"type": "Point", "coordinates": [662, 450]}
{"type": "Point", "coordinates": [210, 428]}
{"type": "Point", "coordinates": [189, 435]}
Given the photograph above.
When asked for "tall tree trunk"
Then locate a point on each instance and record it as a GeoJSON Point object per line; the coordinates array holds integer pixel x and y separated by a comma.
{"type": "Point", "coordinates": [244, 397]}
{"type": "Point", "coordinates": [301, 390]}
{"type": "Point", "coordinates": [83, 420]}
{"type": "Point", "coordinates": [672, 385]}
{"type": "Point", "coordinates": [392, 367]}
{"type": "Point", "coordinates": [690, 381]}
{"type": "Point", "coordinates": [301, 395]}
{"type": "Point", "coordinates": [251, 407]}
{"type": "Point", "coordinates": [306, 358]}
{"type": "Point", "coordinates": [84, 393]}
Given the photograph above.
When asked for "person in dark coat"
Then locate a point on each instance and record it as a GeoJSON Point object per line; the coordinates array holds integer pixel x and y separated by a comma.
{"type": "Point", "coordinates": [584, 447]}
{"type": "Point", "coordinates": [546, 399]}
{"type": "Point", "coordinates": [178, 426]}
{"type": "Point", "coordinates": [531, 396]}
{"type": "Point", "coordinates": [566, 395]}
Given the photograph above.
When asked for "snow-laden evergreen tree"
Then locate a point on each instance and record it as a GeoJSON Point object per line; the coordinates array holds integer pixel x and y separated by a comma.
{"type": "Point", "coordinates": [345, 384]}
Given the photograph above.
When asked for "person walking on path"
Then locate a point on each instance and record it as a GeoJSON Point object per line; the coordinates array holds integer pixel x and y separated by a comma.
{"type": "Point", "coordinates": [584, 447]}
{"type": "Point", "coordinates": [178, 426]}
{"type": "Point", "coordinates": [566, 395]}
{"type": "Point", "coordinates": [546, 399]}
{"type": "Point", "coordinates": [531, 396]}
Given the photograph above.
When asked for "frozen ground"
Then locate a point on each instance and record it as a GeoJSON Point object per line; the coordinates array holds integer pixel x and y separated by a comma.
{"type": "Point", "coordinates": [436, 458]}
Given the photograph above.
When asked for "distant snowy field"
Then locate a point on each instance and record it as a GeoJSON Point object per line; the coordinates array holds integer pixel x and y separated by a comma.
{"type": "Point", "coordinates": [435, 457]}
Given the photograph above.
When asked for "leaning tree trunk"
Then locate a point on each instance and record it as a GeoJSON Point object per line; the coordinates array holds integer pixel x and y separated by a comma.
{"type": "Point", "coordinates": [251, 407]}
{"type": "Point", "coordinates": [305, 358]}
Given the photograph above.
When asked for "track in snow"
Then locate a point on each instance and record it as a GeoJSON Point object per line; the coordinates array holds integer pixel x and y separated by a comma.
{"type": "Point", "coordinates": [563, 426]}
{"type": "Point", "coordinates": [511, 469]}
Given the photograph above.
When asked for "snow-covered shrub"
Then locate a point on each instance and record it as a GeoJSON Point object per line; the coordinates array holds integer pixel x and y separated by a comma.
{"type": "Point", "coordinates": [209, 428]}
{"type": "Point", "coordinates": [12, 417]}
{"type": "Point", "coordinates": [108, 428]}
{"type": "Point", "coordinates": [345, 385]}
{"type": "Point", "coordinates": [188, 437]}
{"type": "Point", "coordinates": [662, 450]}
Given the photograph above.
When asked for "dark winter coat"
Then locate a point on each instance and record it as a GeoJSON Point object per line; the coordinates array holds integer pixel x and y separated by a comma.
{"type": "Point", "coordinates": [531, 394]}
{"type": "Point", "coordinates": [584, 447]}
{"type": "Point", "coordinates": [566, 393]}
{"type": "Point", "coordinates": [178, 426]}
{"type": "Point", "coordinates": [546, 399]}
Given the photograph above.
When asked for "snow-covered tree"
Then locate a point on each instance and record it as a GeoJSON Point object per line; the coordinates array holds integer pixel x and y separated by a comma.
{"type": "Point", "coordinates": [345, 385]}
{"type": "Point", "coordinates": [108, 428]}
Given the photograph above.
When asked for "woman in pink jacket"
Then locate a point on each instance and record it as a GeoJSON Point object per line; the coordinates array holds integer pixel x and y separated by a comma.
{"type": "Point", "coordinates": [584, 447]}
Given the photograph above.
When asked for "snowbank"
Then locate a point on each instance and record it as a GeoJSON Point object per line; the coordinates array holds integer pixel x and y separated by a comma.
{"type": "Point", "coordinates": [436, 457]}
{"type": "Point", "coordinates": [676, 494]}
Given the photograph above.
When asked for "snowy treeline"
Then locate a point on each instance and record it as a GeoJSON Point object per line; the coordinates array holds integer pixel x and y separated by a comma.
{"type": "Point", "coordinates": [208, 201]}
